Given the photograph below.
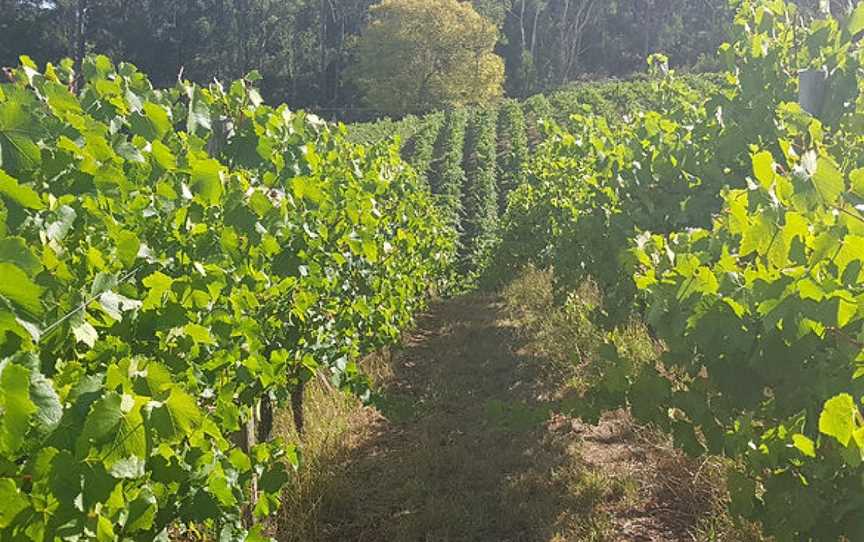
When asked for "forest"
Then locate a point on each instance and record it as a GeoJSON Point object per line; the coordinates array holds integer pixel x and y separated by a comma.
{"type": "Point", "coordinates": [437, 270]}
{"type": "Point", "coordinates": [304, 48]}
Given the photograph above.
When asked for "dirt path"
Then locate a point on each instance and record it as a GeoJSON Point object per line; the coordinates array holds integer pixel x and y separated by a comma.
{"type": "Point", "coordinates": [467, 447]}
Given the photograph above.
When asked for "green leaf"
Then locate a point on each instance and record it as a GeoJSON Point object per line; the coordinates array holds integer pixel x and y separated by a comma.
{"type": "Point", "coordinates": [370, 250]}
{"type": "Point", "coordinates": [18, 288]}
{"type": "Point", "coordinates": [18, 408]}
{"type": "Point", "coordinates": [763, 169]}
{"type": "Point", "coordinates": [126, 466]}
{"type": "Point", "coordinates": [260, 204]}
{"type": "Point", "coordinates": [239, 460]}
{"type": "Point", "coordinates": [856, 20]}
{"type": "Point", "coordinates": [742, 492]}
{"type": "Point", "coordinates": [130, 152]}
{"type": "Point", "coordinates": [307, 188]}
{"type": "Point", "coordinates": [25, 330]}
{"type": "Point", "coordinates": [58, 229]}
{"type": "Point", "coordinates": [828, 180]}
{"type": "Point", "coordinates": [177, 417]}
{"type": "Point", "coordinates": [12, 502]}
{"type": "Point", "coordinates": [103, 420]}
{"type": "Point", "coordinates": [104, 530]}
{"type": "Point", "coordinates": [856, 177]}
{"type": "Point", "coordinates": [199, 334]}
{"type": "Point", "coordinates": [274, 479]}
{"type": "Point", "coordinates": [808, 289]}
{"type": "Point", "coordinates": [18, 151]}
{"type": "Point", "coordinates": [103, 282]}
{"type": "Point", "coordinates": [255, 535]}
{"type": "Point", "coordinates": [206, 180]}
{"type": "Point", "coordinates": [22, 195]}
{"type": "Point", "coordinates": [757, 236]}
{"type": "Point", "coordinates": [838, 418]}
{"type": "Point", "coordinates": [158, 284]}
{"type": "Point", "coordinates": [60, 99]}
{"type": "Point", "coordinates": [199, 112]}
{"type": "Point", "coordinates": [128, 245]}
{"type": "Point", "coordinates": [846, 311]}
{"type": "Point", "coordinates": [14, 250]}
{"type": "Point", "coordinates": [851, 250]}
{"type": "Point", "coordinates": [142, 512]}
{"type": "Point", "coordinates": [157, 380]}
{"type": "Point", "coordinates": [704, 281]}
{"type": "Point", "coordinates": [163, 156]}
{"type": "Point", "coordinates": [804, 444]}
{"type": "Point", "coordinates": [115, 427]}
{"type": "Point", "coordinates": [49, 409]}
{"type": "Point", "coordinates": [115, 304]}
{"type": "Point", "coordinates": [219, 487]}
{"type": "Point", "coordinates": [158, 118]}
{"type": "Point", "coordinates": [84, 332]}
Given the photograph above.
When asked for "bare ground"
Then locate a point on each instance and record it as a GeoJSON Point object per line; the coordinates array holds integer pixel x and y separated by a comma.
{"type": "Point", "coordinates": [467, 445]}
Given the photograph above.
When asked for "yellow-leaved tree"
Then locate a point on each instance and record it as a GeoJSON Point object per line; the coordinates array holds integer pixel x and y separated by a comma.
{"type": "Point", "coordinates": [420, 55]}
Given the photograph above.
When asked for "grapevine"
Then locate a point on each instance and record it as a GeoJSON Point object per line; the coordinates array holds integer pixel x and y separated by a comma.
{"type": "Point", "coordinates": [169, 259]}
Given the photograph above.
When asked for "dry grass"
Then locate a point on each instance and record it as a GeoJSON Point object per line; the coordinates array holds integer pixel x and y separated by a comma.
{"type": "Point", "coordinates": [336, 423]}
{"type": "Point", "coordinates": [677, 497]}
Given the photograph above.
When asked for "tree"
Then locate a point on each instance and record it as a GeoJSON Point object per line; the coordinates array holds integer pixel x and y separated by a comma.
{"type": "Point", "coordinates": [420, 55]}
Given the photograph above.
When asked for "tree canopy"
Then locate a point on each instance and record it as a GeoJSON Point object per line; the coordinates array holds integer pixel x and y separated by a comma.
{"type": "Point", "coordinates": [419, 55]}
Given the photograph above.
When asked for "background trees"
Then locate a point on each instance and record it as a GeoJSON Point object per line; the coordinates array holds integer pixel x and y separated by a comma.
{"type": "Point", "coordinates": [303, 47]}
{"type": "Point", "coordinates": [300, 46]}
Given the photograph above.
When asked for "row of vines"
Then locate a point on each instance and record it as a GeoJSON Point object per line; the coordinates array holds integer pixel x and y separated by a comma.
{"type": "Point", "coordinates": [731, 221]}
{"type": "Point", "coordinates": [473, 158]}
{"type": "Point", "coordinates": [175, 264]}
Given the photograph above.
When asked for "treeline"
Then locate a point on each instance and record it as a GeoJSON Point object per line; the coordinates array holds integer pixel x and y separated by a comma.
{"type": "Point", "coordinates": [303, 48]}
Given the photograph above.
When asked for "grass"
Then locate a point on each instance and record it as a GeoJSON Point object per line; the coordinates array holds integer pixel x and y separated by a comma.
{"type": "Point", "coordinates": [687, 492]}
{"type": "Point", "coordinates": [335, 424]}
{"type": "Point", "coordinates": [469, 443]}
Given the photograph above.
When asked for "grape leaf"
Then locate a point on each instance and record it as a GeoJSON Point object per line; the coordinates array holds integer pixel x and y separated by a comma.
{"type": "Point", "coordinates": [18, 288]}
{"type": "Point", "coordinates": [18, 407]}
{"type": "Point", "coordinates": [21, 194]}
{"type": "Point", "coordinates": [838, 418]}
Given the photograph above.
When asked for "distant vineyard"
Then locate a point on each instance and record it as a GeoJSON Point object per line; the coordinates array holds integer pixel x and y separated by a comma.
{"type": "Point", "coordinates": [465, 178]}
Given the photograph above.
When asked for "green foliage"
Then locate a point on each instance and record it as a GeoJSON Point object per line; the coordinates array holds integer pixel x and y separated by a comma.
{"type": "Point", "coordinates": [448, 180]}
{"type": "Point", "coordinates": [592, 188]}
{"type": "Point", "coordinates": [385, 129]}
{"type": "Point", "coordinates": [169, 257]}
{"type": "Point", "coordinates": [731, 221]}
{"type": "Point", "coordinates": [416, 56]}
{"type": "Point", "coordinates": [513, 152]}
{"type": "Point", "coordinates": [423, 144]}
{"type": "Point", "coordinates": [480, 195]}
{"type": "Point", "coordinates": [537, 110]}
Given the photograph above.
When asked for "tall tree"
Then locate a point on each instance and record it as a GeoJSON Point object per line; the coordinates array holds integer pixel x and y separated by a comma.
{"type": "Point", "coordinates": [419, 55]}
